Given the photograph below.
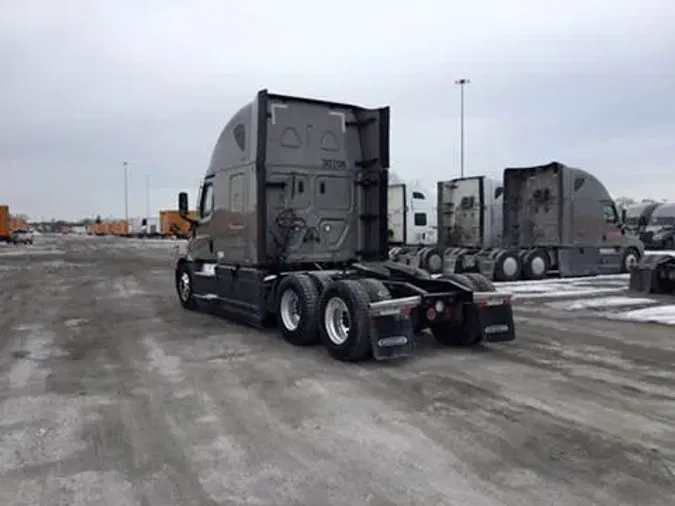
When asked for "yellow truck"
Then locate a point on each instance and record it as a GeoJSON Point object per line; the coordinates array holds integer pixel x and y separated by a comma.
{"type": "Point", "coordinates": [5, 224]}
{"type": "Point", "coordinates": [171, 224]}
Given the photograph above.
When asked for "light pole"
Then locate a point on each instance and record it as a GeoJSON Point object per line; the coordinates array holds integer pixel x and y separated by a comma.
{"type": "Point", "coordinates": [126, 193]}
{"type": "Point", "coordinates": [147, 199]}
{"type": "Point", "coordinates": [462, 83]}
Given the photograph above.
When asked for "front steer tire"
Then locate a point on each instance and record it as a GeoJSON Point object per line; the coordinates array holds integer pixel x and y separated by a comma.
{"type": "Point", "coordinates": [296, 303]}
{"type": "Point", "coordinates": [185, 287]}
{"type": "Point", "coordinates": [350, 297]}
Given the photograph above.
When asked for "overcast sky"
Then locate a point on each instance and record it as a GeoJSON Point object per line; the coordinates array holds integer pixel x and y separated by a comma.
{"type": "Point", "coordinates": [87, 84]}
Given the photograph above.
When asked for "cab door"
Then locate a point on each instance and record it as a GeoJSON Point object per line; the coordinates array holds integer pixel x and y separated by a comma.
{"type": "Point", "coordinates": [201, 245]}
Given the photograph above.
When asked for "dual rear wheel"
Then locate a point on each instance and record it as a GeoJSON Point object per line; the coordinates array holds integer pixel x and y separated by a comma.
{"type": "Point", "coordinates": [463, 331]}
{"type": "Point", "coordinates": [312, 307]}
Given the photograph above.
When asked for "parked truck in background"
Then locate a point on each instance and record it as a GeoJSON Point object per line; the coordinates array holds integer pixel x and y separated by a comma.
{"type": "Point", "coordinates": [470, 219]}
{"type": "Point", "coordinates": [412, 226]}
{"type": "Point", "coordinates": [659, 233]}
{"type": "Point", "coordinates": [172, 224]}
{"type": "Point", "coordinates": [637, 216]}
{"type": "Point", "coordinates": [144, 227]}
{"type": "Point", "coordinates": [5, 224]}
{"type": "Point", "coordinates": [559, 220]}
{"type": "Point", "coordinates": [99, 229]}
{"type": "Point", "coordinates": [18, 223]}
{"type": "Point", "coordinates": [292, 228]}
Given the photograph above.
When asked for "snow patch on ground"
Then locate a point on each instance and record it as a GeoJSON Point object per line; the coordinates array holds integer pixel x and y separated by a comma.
{"type": "Point", "coordinates": [168, 366]}
{"type": "Point", "coordinates": [601, 303]}
{"type": "Point", "coordinates": [566, 287]}
{"type": "Point", "coordinates": [20, 251]}
{"type": "Point", "coordinates": [666, 252]}
{"type": "Point", "coordinates": [125, 288]}
{"type": "Point", "coordinates": [567, 281]}
{"type": "Point", "coordinates": [660, 314]}
{"type": "Point", "coordinates": [555, 291]}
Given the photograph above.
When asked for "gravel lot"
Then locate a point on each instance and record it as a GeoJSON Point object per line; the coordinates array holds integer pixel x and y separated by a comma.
{"type": "Point", "coordinates": [113, 395]}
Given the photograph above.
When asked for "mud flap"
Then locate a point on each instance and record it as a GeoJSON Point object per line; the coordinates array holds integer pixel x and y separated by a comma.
{"type": "Point", "coordinates": [450, 260]}
{"type": "Point", "coordinates": [459, 260]}
{"type": "Point", "coordinates": [391, 328]}
{"type": "Point", "coordinates": [392, 336]}
{"type": "Point", "coordinates": [654, 274]}
{"type": "Point", "coordinates": [494, 316]}
{"type": "Point", "coordinates": [485, 263]}
{"type": "Point", "coordinates": [496, 324]}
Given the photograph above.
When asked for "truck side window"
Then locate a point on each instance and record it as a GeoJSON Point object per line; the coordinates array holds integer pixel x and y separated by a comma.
{"type": "Point", "coordinates": [610, 214]}
{"type": "Point", "coordinates": [418, 195]}
{"type": "Point", "coordinates": [420, 219]}
{"type": "Point", "coordinates": [206, 205]}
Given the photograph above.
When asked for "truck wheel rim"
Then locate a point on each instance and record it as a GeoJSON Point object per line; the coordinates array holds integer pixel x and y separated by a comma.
{"type": "Point", "coordinates": [435, 263]}
{"type": "Point", "coordinates": [631, 260]}
{"type": "Point", "coordinates": [537, 266]}
{"type": "Point", "coordinates": [337, 321]}
{"type": "Point", "coordinates": [184, 286]}
{"type": "Point", "coordinates": [290, 309]}
{"type": "Point", "coordinates": [510, 266]}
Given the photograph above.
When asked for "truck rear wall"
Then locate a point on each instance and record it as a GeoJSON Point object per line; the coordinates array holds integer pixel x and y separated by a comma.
{"type": "Point", "coordinates": [533, 205]}
{"type": "Point", "coordinates": [553, 205]}
{"type": "Point", "coordinates": [300, 180]}
{"type": "Point", "coordinates": [470, 212]}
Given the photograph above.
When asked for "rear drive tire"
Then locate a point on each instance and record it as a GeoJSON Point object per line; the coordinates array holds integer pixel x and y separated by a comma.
{"type": "Point", "coordinates": [433, 261]}
{"type": "Point", "coordinates": [629, 258]}
{"type": "Point", "coordinates": [184, 287]}
{"type": "Point", "coordinates": [377, 291]}
{"type": "Point", "coordinates": [463, 279]}
{"type": "Point", "coordinates": [451, 334]}
{"type": "Point", "coordinates": [507, 266]}
{"type": "Point", "coordinates": [411, 271]}
{"type": "Point", "coordinates": [480, 282]}
{"type": "Point", "coordinates": [535, 264]}
{"type": "Point", "coordinates": [297, 299]}
{"type": "Point", "coordinates": [321, 280]}
{"type": "Point", "coordinates": [344, 320]}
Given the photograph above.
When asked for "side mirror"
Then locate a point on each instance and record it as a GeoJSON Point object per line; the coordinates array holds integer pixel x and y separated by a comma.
{"type": "Point", "coordinates": [183, 203]}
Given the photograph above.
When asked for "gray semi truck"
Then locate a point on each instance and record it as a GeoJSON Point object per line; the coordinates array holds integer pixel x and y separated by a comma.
{"type": "Point", "coordinates": [659, 231]}
{"type": "Point", "coordinates": [292, 230]}
{"type": "Point", "coordinates": [637, 216]}
{"type": "Point", "coordinates": [470, 219]}
{"type": "Point", "coordinates": [412, 227]}
{"type": "Point", "coordinates": [558, 220]}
